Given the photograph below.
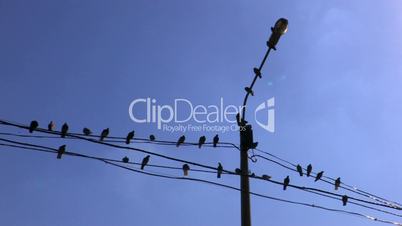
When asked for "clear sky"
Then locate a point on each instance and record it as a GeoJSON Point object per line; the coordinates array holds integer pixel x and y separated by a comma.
{"type": "Point", "coordinates": [336, 79]}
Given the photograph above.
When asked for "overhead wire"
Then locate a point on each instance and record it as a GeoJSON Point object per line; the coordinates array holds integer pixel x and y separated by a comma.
{"type": "Point", "coordinates": [115, 163]}
{"type": "Point", "coordinates": [307, 189]}
{"type": "Point", "coordinates": [345, 186]}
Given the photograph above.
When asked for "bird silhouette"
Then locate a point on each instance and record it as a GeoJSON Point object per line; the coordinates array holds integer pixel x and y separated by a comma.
{"type": "Point", "coordinates": [286, 182]}
{"type": "Point", "coordinates": [50, 126]}
{"type": "Point", "coordinates": [64, 130]}
{"type": "Point", "coordinates": [220, 169]}
{"type": "Point", "coordinates": [34, 125]}
{"type": "Point", "coordinates": [180, 141]}
{"type": "Point", "coordinates": [319, 175]}
{"type": "Point", "coordinates": [337, 183]}
{"type": "Point", "coordinates": [257, 72]}
{"type": "Point", "coordinates": [129, 137]}
{"type": "Point", "coordinates": [309, 169]}
{"type": "Point", "coordinates": [145, 161]}
{"type": "Point", "coordinates": [104, 134]}
{"type": "Point", "coordinates": [186, 168]}
{"type": "Point", "coordinates": [216, 140]}
{"type": "Point", "coordinates": [345, 200]}
{"type": "Point", "coordinates": [266, 177]}
{"type": "Point", "coordinates": [151, 137]}
{"type": "Point", "coordinates": [86, 131]}
{"type": "Point", "coordinates": [240, 121]}
{"type": "Point", "coordinates": [125, 159]}
{"type": "Point", "coordinates": [254, 145]}
{"type": "Point", "coordinates": [238, 171]}
{"type": "Point", "coordinates": [249, 90]}
{"type": "Point", "coordinates": [201, 141]}
{"type": "Point", "coordinates": [61, 151]}
{"type": "Point", "coordinates": [300, 170]}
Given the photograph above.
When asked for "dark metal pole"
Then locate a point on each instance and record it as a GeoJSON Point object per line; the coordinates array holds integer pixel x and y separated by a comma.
{"type": "Point", "coordinates": [245, 142]}
{"type": "Point", "coordinates": [246, 132]}
{"type": "Point", "coordinates": [245, 185]}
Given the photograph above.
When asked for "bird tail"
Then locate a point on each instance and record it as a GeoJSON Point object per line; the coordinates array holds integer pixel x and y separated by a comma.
{"type": "Point", "coordinates": [142, 167]}
{"type": "Point", "coordinates": [185, 173]}
{"type": "Point", "coordinates": [219, 175]}
{"type": "Point", "coordinates": [59, 155]}
{"type": "Point", "coordinates": [214, 145]}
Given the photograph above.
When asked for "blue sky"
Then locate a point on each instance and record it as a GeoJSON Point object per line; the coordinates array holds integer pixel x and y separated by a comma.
{"type": "Point", "coordinates": [335, 78]}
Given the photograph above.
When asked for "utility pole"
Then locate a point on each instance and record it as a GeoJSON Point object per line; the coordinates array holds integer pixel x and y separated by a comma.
{"type": "Point", "coordinates": [246, 131]}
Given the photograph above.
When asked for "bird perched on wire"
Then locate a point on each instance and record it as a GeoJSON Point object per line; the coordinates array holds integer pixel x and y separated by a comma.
{"type": "Point", "coordinates": [186, 168]}
{"type": "Point", "coordinates": [145, 161]}
{"type": "Point", "coordinates": [345, 200]}
{"type": "Point", "coordinates": [64, 130]}
{"type": "Point", "coordinates": [299, 170]}
{"type": "Point", "coordinates": [125, 159]}
{"type": "Point", "coordinates": [50, 126]}
{"type": "Point", "coordinates": [61, 151]}
{"type": "Point", "coordinates": [129, 137]}
{"type": "Point", "coordinates": [249, 90]}
{"type": "Point", "coordinates": [104, 134]}
{"type": "Point", "coordinates": [257, 72]}
{"type": "Point", "coordinates": [86, 131]}
{"type": "Point", "coordinates": [254, 145]}
{"type": "Point", "coordinates": [337, 183]}
{"type": "Point", "coordinates": [309, 169]}
{"type": "Point", "coordinates": [33, 126]}
{"type": "Point", "coordinates": [216, 140]}
{"type": "Point", "coordinates": [180, 141]}
{"type": "Point", "coordinates": [266, 177]}
{"type": "Point", "coordinates": [201, 141]}
{"type": "Point", "coordinates": [151, 137]}
{"type": "Point", "coordinates": [319, 175]}
{"type": "Point", "coordinates": [219, 170]}
{"type": "Point", "coordinates": [238, 171]}
{"type": "Point", "coordinates": [240, 121]}
{"type": "Point", "coordinates": [286, 182]}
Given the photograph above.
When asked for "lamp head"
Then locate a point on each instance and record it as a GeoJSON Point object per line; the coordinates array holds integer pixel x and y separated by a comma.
{"type": "Point", "coordinates": [280, 28]}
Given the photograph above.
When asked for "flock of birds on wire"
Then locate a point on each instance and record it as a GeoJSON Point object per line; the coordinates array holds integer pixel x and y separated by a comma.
{"type": "Point", "coordinates": [186, 168]}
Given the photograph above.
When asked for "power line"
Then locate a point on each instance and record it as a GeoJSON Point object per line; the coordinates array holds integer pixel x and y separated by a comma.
{"type": "Point", "coordinates": [114, 139]}
{"type": "Point", "coordinates": [54, 151]}
{"type": "Point", "coordinates": [114, 163]}
{"type": "Point", "coordinates": [347, 187]}
{"type": "Point", "coordinates": [184, 161]}
{"type": "Point", "coordinates": [112, 145]}
{"type": "Point", "coordinates": [306, 189]}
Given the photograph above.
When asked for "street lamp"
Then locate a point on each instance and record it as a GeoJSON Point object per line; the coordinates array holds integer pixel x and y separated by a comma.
{"type": "Point", "coordinates": [280, 28]}
{"type": "Point", "coordinates": [246, 132]}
